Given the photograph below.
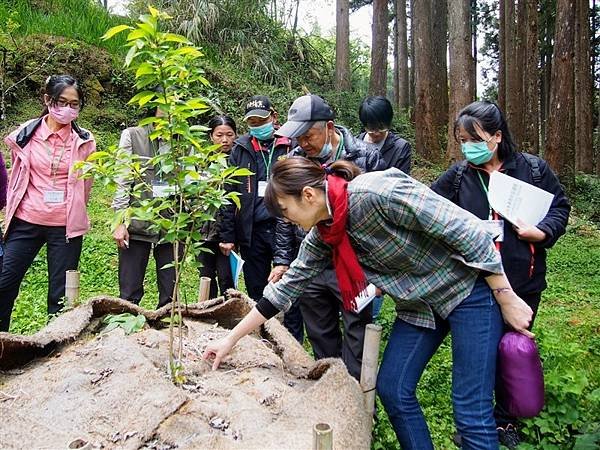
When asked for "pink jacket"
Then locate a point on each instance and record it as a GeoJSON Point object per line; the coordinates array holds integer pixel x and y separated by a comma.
{"type": "Point", "coordinates": [78, 190]}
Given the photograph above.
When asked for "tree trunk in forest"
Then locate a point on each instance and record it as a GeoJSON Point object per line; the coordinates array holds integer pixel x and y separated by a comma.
{"type": "Point", "coordinates": [461, 69]}
{"type": "Point", "coordinates": [531, 90]}
{"type": "Point", "coordinates": [546, 41]}
{"type": "Point", "coordinates": [584, 154]}
{"type": "Point", "coordinates": [430, 108]}
{"type": "Point", "coordinates": [295, 26]}
{"type": "Point", "coordinates": [401, 98]}
{"type": "Point", "coordinates": [440, 68]}
{"type": "Point", "coordinates": [513, 70]}
{"type": "Point", "coordinates": [379, 45]}
{"type": "Point", "coordinates": [342, 46]}
{"type": "Point", "coordinates": [560, 142]}
{"type": "Point", "coordinates": [502, 56]}
{"type": "Point", "coordinates": [396, 73]}
{"type": "Point", "coordinates": [474, 24]}
{"type": "Point", "coordinates": [411, 73]}
{"type": "Point", "coordinates": [596, 104]}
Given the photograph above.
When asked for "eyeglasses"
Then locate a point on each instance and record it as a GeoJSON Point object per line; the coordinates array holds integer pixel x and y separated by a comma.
{"type": "Point", "coordinates": [377, 131]}
{"type": "Point", "coordinates": [73, 105]}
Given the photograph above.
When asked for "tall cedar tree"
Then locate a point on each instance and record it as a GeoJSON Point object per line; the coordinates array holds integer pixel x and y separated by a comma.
{"type": "Point", "coordinates": [560, 142]}
{"type": "Point", "coordinates": [379, 45]}
{"type": "Point", "coordinates": [531, 87]}
{"type": "Point", "coordinates": [342, 46]}
{"type": "Point", "coordinates": [431, 102]}
{"type": "Point", "coordinates": [461, 68]}
{"type": "Point", "coordinates": [584, 154]}
{"type": "Point", "coordinates": [401, 87]}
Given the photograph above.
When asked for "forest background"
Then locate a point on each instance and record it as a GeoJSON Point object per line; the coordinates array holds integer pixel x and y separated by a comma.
{"type": "Point", "coordinates": [538, 59]}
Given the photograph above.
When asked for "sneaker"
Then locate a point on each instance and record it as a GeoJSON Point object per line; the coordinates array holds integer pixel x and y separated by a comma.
{"type": "Point", "coordinates": [508, 436]}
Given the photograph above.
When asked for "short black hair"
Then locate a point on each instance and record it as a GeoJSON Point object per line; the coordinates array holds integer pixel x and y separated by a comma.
{"type": "Point", "coordinates": [56, 84]}
{"type": "Point", "coordinates": [489, 117]}
{"type": "Point", "coordinates": [376, 113]}
{"type": "Point", "coordinates": [221, 120]}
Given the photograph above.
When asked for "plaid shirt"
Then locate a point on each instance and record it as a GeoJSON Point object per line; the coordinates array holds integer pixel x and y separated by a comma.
{"type": "Point", "coordinates": [418, 247]}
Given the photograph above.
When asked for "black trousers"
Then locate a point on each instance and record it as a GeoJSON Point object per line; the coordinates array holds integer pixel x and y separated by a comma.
{"type": "Point", "coordinates": [216, 265]}
{"type": "Point", "coordinates": [23, 243]}
{"type": "Point", "coordinates": [503, 418]}
{"type": "Point", "coordinates": [258, 257]}
{"type": "Point", "coordinates": [133, 262]}
{"type": "Point", "coordinates": [321, 306]}
{"type": "Point", "coordinates": [294, 322]}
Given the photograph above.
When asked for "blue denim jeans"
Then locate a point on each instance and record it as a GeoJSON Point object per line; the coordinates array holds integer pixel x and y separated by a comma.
{"type": "Point", "coordinates": [377, 304]}
{"type": "Point", "coordinates": [476, 327]}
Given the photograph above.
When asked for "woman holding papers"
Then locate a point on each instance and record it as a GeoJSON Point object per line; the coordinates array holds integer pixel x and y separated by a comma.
{"type": "Point", "coordinates": [432, 257]}
{"type": "Point", "coordinates": [215, 265]}
{"type": "Point", "coordinates": [488, 146]}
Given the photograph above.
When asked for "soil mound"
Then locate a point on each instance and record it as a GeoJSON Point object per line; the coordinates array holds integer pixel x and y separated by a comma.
{"type": "Point", "coordinates": [73, 386]}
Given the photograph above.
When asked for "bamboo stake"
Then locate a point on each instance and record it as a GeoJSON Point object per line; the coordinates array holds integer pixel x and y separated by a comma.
{"type": "Point", "coordinates": [368, 373]}
{"type": "Point", "coordinates": [204, 289]}
{"type": "Point", "coordinates": [72, 287]}
{"type": "Point", "coordinates": [322, 437]}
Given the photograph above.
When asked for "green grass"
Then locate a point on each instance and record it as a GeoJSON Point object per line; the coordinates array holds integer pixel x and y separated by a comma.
{"type": "Point", "coordinates": [64, 18]}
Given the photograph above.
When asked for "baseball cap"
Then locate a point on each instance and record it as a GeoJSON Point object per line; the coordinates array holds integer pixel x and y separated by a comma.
{"type": "Point", "coordinates": [303, 114]}
{"type": "Point", "coordinates": [258, 106]}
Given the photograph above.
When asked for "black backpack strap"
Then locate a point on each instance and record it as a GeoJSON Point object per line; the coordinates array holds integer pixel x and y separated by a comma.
{"type": "Point", "coordinates": [460, 171]}
{"type": "Point", "coordinates": [534, 163]}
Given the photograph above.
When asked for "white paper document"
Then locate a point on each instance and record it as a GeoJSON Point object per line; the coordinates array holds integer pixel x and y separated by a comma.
{"type": "Point", "coordinates": [365, 297]}
{"type": "Point", "coordinates": [514, 199]}
{"type": "Point", "coordinates": [236, 262]}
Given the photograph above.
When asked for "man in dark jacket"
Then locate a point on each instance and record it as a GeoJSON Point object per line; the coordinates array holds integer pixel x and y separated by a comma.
{"type": "Point", "coordinates": [251, 228]}
{"type": "Point", "coordinates": [311, 122]}
{"type": "Point", "coordinates": [376, 115]}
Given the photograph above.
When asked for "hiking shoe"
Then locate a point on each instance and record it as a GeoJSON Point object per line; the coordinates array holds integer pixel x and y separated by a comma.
{"type": "Point", "coordinates": [508, 436]}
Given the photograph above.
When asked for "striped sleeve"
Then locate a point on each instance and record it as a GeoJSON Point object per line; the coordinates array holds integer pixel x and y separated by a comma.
{"type": "Point", "coordinates": [312, 259]}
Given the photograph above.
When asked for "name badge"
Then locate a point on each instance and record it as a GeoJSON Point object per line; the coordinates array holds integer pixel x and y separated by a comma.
{"type": "Point", "coordinates": [262, 188]}
{"type": "Point", "coordinates": [495, 228]}
{"type": "Point", "coordinates": [161, 189]}
{"type": "Point", "coordinates": [54, 196]}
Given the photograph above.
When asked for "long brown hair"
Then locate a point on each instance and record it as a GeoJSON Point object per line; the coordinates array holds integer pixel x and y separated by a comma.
{"type": "Point", "coordinates": [291, 175]}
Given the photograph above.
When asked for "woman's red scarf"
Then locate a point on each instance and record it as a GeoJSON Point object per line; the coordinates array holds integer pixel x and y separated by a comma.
{"type": "Point", "coordinates": [350, 275]}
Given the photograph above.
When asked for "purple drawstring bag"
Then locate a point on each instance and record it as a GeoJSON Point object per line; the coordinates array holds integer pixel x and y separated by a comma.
{"type": "Point", "coordinates": [520, 381]}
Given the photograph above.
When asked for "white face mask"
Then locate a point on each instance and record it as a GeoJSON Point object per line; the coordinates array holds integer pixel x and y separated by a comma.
{"type": "Point", "coordinates": [327, 148]}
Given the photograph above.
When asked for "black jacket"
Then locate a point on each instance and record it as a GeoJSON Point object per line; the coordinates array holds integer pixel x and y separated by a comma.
{"type": "Point", "coordinates": [517, 255]}
{"type": "Point", "coordinates": [236, 224]}
{"type": "Point", "coordinates": [289, 236]}
{"type": "Point", "coordinates": [395, 152]}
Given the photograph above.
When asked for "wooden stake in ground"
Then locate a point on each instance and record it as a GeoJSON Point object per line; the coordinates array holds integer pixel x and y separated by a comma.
{"type": "Point", "coordinates": [322, 437]}
{"type": "Point", "coordinates": [72, 287]}
{"type": "Point", "coordinates": [204, 293]}
{"type": "Point", "coordinates": [368, 373]}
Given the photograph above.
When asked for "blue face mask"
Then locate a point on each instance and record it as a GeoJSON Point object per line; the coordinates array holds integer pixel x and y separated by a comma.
{"type": "Point", "coordinates": [476, 152]}
{"type": "Point", "coordinates": [263, 132]}
{"type": "Point", "coordinates": [326, 149]}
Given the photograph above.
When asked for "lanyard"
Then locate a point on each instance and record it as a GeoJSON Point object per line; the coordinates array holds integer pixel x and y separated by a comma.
{"type": "Point", "coordinates": [54, 161]}
{"type": "Point", "coordinates": [487, 193]}
{"type": "Point", "coordinates": [270, 161]}
{"type": "Point", "coordinates": [493, 215]}
{"type": "Point", "coordinates": [340, 148]}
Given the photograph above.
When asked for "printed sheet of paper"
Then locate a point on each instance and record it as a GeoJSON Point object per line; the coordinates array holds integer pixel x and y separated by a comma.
{"type": "Point", "coordinates": [514, 199]}
{"type": "Point", "coordinates": [236, 263]}
{"type": "Point", "coordinates": [364, 298]}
